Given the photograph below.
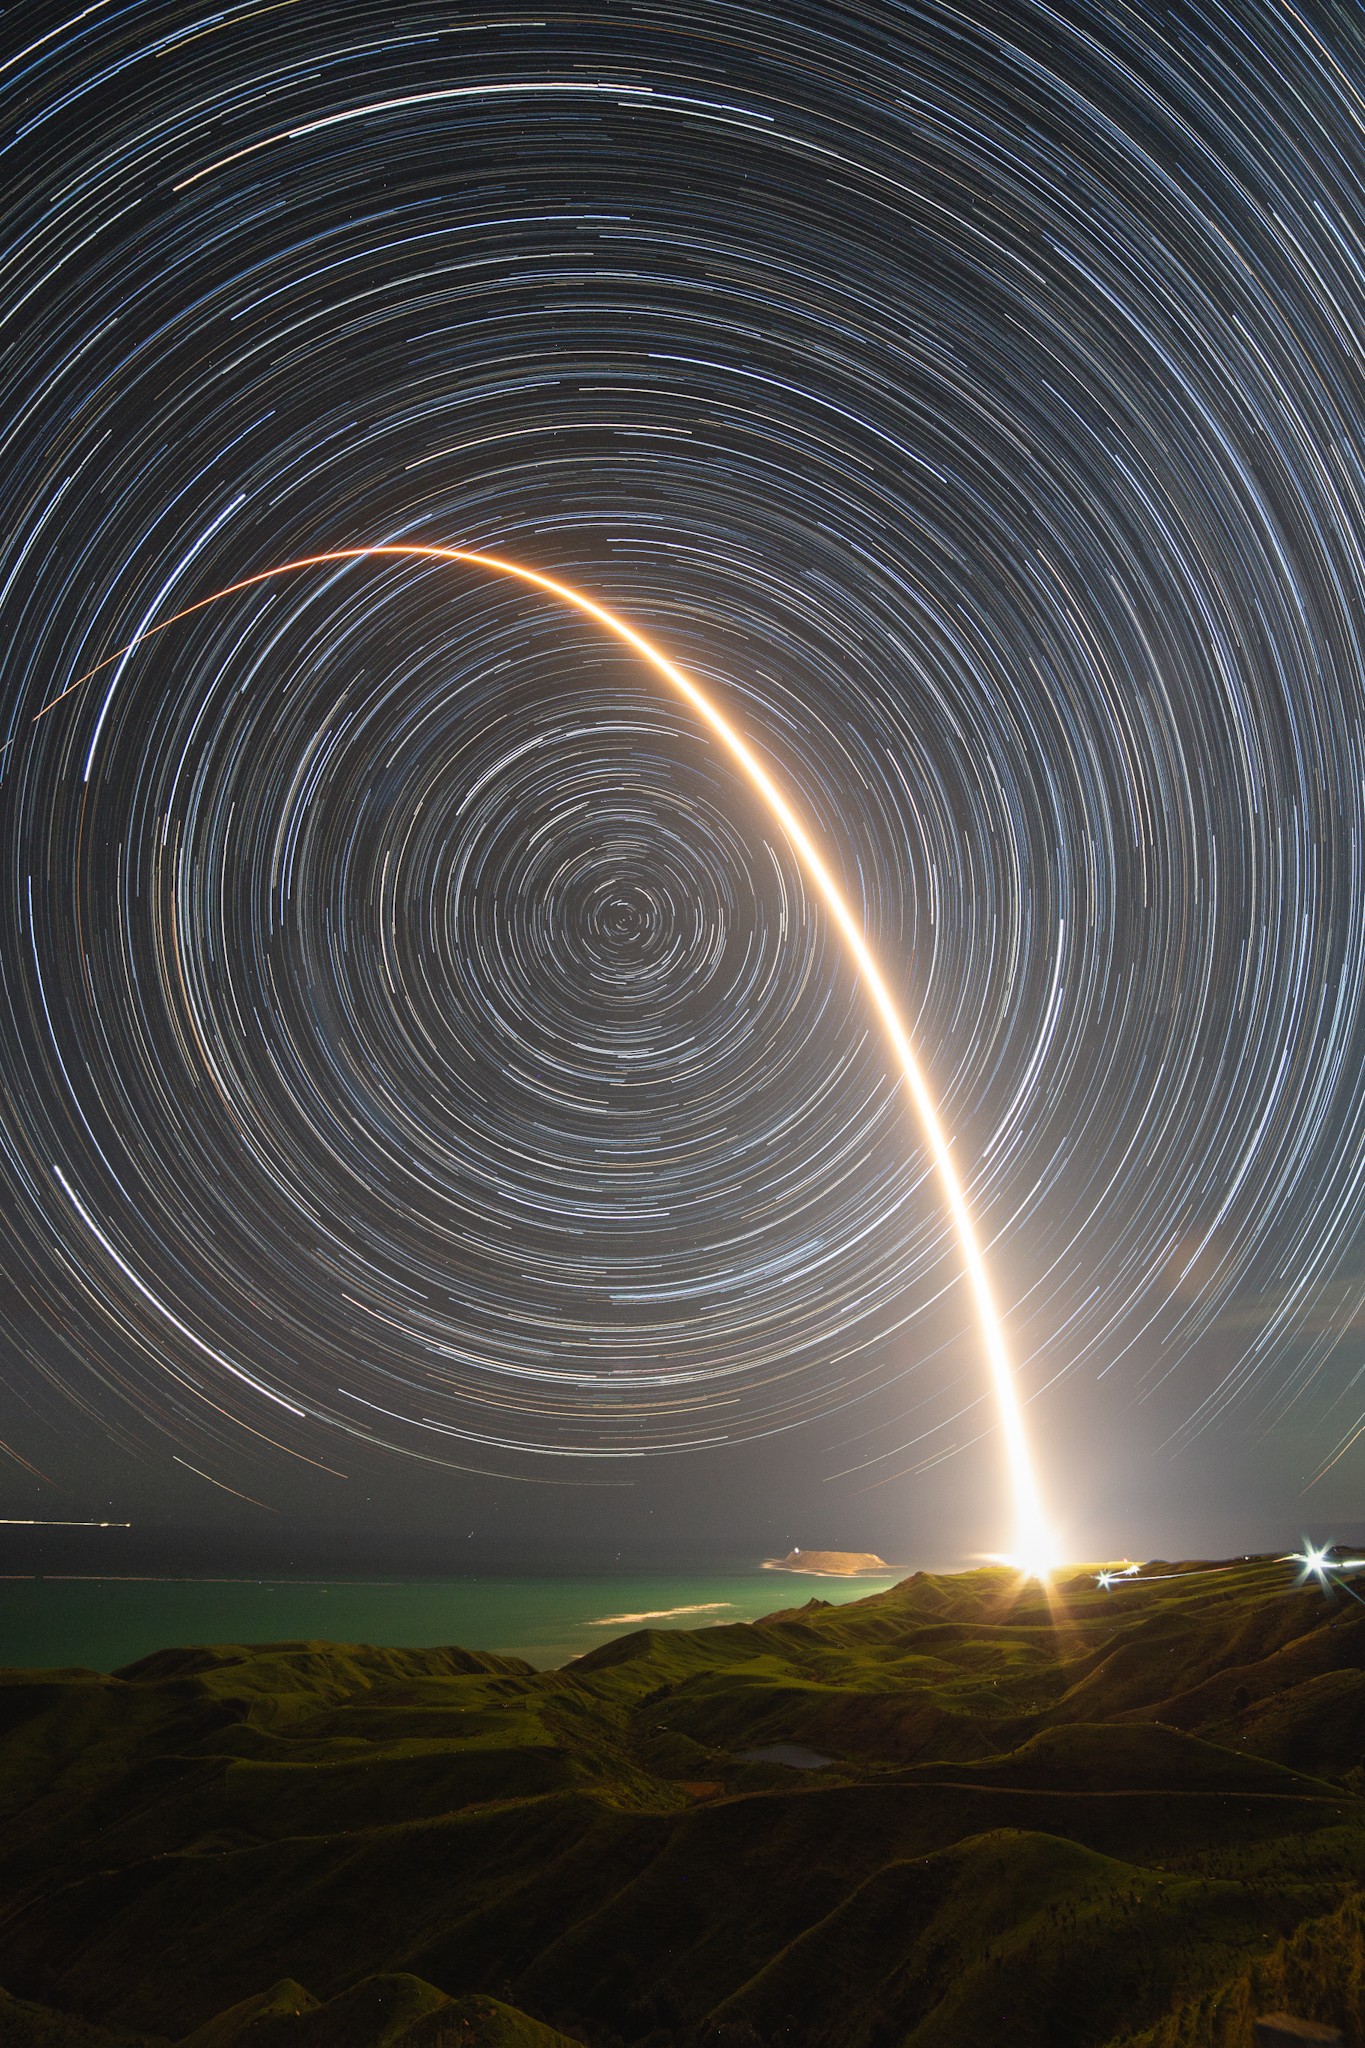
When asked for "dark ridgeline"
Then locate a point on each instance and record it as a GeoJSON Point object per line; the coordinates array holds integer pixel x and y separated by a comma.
{"type": "Point", "coordinates": [1130, 1816]}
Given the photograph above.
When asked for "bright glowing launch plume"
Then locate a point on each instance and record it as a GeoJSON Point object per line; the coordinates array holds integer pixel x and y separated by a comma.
{"type": "Point", "coordinates": [1030, 1537]}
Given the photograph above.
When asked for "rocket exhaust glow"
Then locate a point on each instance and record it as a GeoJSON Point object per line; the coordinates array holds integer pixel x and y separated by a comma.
{"type": "Point", "coordinates": [1031, 1547]}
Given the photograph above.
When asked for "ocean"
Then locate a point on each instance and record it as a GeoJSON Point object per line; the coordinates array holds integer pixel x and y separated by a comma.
{"type": "Point", "coordinates": [104, 1623]}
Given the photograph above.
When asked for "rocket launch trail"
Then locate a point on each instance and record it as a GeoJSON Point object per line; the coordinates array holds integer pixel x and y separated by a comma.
{"type": "Point", "coordinates": [1030, 1544]}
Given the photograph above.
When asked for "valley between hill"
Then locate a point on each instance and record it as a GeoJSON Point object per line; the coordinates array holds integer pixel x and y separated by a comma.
{"type": "Point", "coordinates": [1112, 1817]}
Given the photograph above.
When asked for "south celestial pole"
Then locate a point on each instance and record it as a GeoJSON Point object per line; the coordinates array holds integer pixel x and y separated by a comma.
{"type": "Point", "coordinates": [417, 1039]}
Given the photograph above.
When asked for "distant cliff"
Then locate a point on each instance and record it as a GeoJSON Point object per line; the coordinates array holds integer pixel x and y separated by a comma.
{"type": "Point", "coordinates": [837, 1564]}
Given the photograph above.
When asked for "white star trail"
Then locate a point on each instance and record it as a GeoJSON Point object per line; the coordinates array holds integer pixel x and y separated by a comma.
{"type": "Point", "coordinates": [408, 1008]}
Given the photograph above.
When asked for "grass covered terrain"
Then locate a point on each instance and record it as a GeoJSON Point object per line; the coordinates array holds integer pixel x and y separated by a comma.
{"type": "Point", "coordinates": [1045, 1823]}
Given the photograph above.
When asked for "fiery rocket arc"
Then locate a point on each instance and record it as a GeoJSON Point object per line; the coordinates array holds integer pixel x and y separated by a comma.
{"type": "Point", "coordinates": [1031, 1544]}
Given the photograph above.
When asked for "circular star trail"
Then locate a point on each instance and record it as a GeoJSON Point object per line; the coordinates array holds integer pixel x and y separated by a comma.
{"type": "Point", "coordinates": [417, 1040]}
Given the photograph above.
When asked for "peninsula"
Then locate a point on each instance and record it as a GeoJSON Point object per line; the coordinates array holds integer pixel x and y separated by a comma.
{"type": "Point", "coordinates": [828, 1564]}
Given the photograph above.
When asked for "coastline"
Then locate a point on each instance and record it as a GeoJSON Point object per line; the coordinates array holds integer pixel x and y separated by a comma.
{"type": "Point", "coordinates": [100, 1622]}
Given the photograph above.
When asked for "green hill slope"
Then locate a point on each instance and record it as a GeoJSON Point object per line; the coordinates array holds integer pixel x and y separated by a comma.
{"type": "Point", "coordinates": [1047, 1824]}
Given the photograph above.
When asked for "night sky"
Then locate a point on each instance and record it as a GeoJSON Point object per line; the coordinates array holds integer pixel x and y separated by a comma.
{"type": "Point", "coordinates": [434, 1103]}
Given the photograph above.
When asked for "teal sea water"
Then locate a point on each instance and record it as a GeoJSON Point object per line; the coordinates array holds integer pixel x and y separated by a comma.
{"type": "Point", "coordinates": [105, 1623]}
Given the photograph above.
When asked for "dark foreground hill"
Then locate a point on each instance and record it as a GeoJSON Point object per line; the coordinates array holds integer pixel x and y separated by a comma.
{"type": "Point", "coordinates": [1111, 1817]}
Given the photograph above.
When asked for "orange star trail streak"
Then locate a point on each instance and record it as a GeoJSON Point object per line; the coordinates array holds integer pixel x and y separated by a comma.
{"type": "Point", "coordinates": [1031, 1547]}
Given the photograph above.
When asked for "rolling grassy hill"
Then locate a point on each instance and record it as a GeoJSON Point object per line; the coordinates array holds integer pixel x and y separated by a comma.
{"type": "Point", "coordinates": [1106, 1818]}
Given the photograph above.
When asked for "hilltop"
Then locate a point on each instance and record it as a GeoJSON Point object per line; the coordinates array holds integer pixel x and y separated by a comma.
{"type": "Point", "coordinates": [1123, 1816]}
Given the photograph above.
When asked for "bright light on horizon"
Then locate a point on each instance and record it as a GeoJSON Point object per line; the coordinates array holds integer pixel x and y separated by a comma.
{"type": "Point", "coordinates": [1039, 1563]}
{"type": "Point", "coordinates": [1033, 1549]}
{"type": "Point", "coordinates": [1319, 1559]}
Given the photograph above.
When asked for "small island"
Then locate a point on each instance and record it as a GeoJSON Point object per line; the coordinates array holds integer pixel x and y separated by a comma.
{"type": "Point", "coordinates": [829, 1564]}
